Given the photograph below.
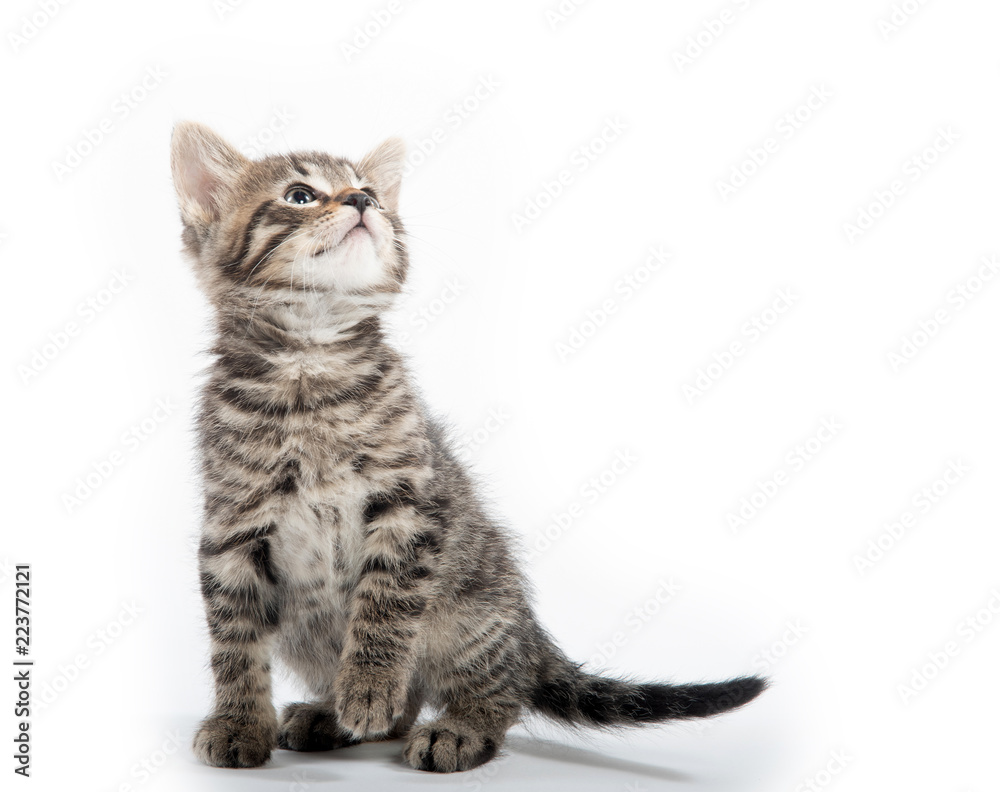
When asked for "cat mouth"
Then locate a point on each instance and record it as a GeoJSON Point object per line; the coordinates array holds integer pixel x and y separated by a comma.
{"type": "Point", "coordinates": [355, 232]}
{"type": "Point", "coordinates": [359, 231]}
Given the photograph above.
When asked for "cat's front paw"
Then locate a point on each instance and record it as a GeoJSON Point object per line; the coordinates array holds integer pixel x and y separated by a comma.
{"type": "Point", "coordinates": [222, 741]}
{"type": "Point", "coordinates": [369, 701]}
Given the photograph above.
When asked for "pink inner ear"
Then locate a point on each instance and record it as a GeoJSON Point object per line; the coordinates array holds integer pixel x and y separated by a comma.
{"type": "Point", "coordinates": [200, 184]}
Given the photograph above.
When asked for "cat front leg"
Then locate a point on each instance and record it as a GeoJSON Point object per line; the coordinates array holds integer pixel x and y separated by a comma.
{"type": "Point", "coordinates": [239, 586]}
{"type": "Point", "coordinates": [395, 580]}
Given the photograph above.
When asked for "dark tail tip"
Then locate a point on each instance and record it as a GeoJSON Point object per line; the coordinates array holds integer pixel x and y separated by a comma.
{"type": "Point", "coordinates": [601, 701]}
{"type": "Point", "coordinates": [656, 702]}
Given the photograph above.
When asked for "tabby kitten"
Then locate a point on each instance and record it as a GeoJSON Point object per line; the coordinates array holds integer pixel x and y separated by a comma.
{"type": "Point", "coordinates": [340, 533]}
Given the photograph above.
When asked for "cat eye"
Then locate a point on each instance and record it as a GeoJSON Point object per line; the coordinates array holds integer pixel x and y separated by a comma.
{"type": "Point", "coordinates": [299, 195]}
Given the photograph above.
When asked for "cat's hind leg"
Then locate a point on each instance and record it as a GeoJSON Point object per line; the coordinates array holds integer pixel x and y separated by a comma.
{"type": "Point", "coordinates": [311, 726]}
{"type": "Point", "coordinates": [479, 679]}
{"type": "Point", "coordinates": [462, 738]}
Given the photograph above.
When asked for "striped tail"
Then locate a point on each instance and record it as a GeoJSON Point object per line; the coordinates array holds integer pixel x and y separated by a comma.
{"type": "Point", "coordinates": [566, 693]}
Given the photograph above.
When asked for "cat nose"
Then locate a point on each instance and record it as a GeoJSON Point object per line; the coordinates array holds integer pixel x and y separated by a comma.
{"type": "Point", "coordinates": [358, 200]}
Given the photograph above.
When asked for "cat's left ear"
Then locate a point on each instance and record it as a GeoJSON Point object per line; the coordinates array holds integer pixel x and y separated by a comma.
{"type": "Point", "coordinates": [384, 166]}
{"type": "Point", "coordinates": [206, 168]}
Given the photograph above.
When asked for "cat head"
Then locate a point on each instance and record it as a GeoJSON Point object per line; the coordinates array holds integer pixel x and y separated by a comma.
{"type": "Point", "coordinates": [305, 221]}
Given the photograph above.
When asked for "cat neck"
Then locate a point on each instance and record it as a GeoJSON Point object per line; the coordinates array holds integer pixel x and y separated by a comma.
{"type": "Point", "coordinates": [300, 319]}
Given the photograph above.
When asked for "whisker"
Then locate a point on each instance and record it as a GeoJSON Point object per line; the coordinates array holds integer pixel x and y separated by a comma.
{"type": "Point", "coordinates": [260, 291]}
{"type": "Point", "coordinates": [294, 235]}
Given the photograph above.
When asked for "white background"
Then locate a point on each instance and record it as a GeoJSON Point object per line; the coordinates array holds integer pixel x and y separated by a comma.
{"type": "Point", "coordinates": [781, 594]}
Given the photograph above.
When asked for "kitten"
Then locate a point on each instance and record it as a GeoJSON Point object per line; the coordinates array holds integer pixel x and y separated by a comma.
{"type": "Point", "coordinates": [340, 533]}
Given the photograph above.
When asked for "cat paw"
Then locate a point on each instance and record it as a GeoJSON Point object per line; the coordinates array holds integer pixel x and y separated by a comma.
{"type": "Point", "coordinates": [222, 741]}
{"type": "Point", "coordinates": [440, 747]}
{"type": "Point", "coordinates": [311, 727]}
{"type": "Point", "coordinates": [368, 702]}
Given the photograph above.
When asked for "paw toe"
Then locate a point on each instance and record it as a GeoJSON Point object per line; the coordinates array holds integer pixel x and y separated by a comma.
{"type": "Point", "coordinates": [223, 742]}
{"type": "Point", "coordinates": [447, 749]}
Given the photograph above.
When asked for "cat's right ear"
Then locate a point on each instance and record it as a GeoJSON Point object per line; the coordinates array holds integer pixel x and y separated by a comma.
{"type": "Point", "coordinates": [205, 168]}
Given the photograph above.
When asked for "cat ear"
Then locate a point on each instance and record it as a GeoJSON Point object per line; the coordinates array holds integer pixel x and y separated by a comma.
{"type": "Point", "coordinates": [205, 167]}
{"type": "Point", "coordinates": [384, 166]}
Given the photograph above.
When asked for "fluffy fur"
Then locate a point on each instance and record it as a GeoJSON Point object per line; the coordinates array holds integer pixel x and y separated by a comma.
{"type": "Point", "coordinates": [340, 533]}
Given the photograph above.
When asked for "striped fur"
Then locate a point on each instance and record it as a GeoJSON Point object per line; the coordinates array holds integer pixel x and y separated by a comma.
{"type": "Point", "coordinates": [340, 533]}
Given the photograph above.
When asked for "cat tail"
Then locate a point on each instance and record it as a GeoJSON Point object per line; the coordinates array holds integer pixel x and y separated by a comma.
{"type": "Point", "coordinates": [568, 694]}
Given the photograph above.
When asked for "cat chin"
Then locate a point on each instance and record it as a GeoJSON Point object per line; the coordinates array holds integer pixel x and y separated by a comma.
{"type": "Point", "coordinates": [353, 265]}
